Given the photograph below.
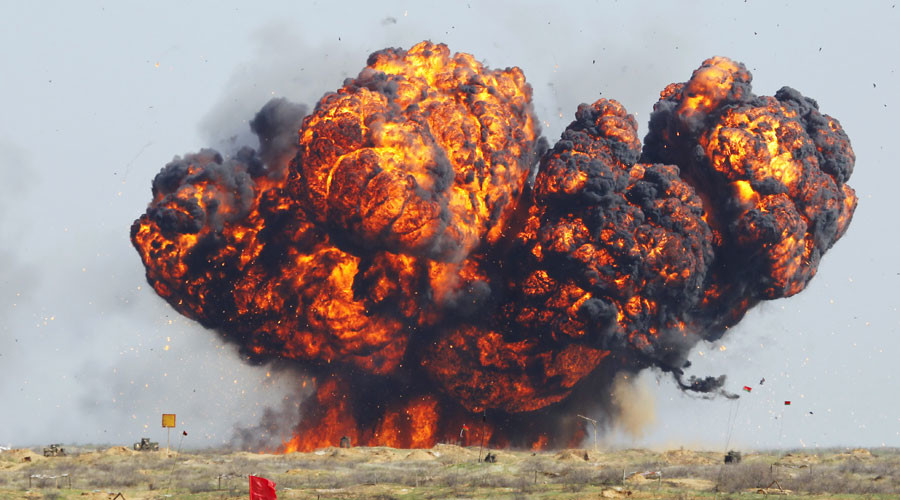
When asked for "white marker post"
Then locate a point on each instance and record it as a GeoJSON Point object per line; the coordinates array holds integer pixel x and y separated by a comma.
{"type": "Point", "coordinates": [168, 421]}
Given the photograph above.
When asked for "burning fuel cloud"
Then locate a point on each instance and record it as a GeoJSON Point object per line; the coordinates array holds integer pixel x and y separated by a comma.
{"type": "Point", "coordinates": [416, 245]}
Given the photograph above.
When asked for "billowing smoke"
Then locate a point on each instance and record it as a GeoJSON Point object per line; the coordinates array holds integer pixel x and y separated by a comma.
{"type": "Point", "coordinates": [415, 245]}
{"type": "Point", "coordinates": [634, 410]}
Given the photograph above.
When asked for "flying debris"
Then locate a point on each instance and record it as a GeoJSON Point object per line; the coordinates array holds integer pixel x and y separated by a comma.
{"type": "Point", "coordinates": [762, 381]}
{"type": "Point", "coordinates": [415, 245]}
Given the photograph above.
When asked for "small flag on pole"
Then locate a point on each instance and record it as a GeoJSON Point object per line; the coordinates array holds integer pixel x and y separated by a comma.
{"type": "Point", "coordinates": [787, 403]}
{"type": "Point", "coordinates": [747, 388]}
{"type": "Point", "coordinates": [262, 489]}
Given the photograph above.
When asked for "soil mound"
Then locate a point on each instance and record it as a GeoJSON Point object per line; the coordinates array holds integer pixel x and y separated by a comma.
{"type": "Point", "coordinates": [118, 451]}
{"type": "Point", "coordinates": [454, 453]}
{"type": "Point", "coordinates": [688, 483]}
{"type": "Point", "coordinates": [20, 455]}
{"type": "Point", "coordinates": [854, 455]}
{"type": "Point", "coordinates": [573, 456]}
{"type": "Point", "coordinates": [791, 460]}
{"type": "Point", "coordinates": [420, 455]}
{"type": "Point", "coordinates": [686, 457]}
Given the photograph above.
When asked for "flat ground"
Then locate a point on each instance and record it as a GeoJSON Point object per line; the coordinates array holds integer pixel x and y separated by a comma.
{"type": "Point", "coordinates": [447, 471]}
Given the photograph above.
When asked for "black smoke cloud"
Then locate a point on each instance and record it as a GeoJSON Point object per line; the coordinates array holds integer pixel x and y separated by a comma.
{"type": "Point", "coordinates": [235, 178]}
{"type": "Point", "coordinates": [276, 126]}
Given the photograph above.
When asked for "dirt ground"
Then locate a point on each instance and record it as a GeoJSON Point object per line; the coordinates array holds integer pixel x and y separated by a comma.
{"type": "Point", "coordinates": [448, 471]}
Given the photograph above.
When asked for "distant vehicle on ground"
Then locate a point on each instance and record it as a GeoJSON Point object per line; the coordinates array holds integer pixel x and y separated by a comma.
{"type": "Point", "coordinates": [146, 445]}
{"type": "Point", "coordinates": [733, 457]}
{"type": "Point", "coordinates": [54, 450]}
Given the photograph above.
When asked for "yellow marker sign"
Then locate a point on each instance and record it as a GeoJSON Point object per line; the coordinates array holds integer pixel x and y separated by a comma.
{"type": "Point", "coordinates": [168, 420]}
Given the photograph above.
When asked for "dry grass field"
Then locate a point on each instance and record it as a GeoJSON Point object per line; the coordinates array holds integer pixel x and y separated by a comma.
{"type": "Point", "coordinates": [447, 471]}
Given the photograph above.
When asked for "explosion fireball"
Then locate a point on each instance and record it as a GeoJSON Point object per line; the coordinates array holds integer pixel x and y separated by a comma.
{"type": "Point", "coordinates": [414, 244]}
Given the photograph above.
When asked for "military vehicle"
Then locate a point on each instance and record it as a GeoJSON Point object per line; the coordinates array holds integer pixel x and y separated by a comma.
{"type": "Point", "coordinates": [146, 445]}
{"type": "Point", "coordinates": [733, 457]}
{"type": "Point", "coordinates": [54, 450]}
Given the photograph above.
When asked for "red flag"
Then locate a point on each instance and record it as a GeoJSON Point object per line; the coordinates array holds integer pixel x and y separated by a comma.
{"type": "Point", "coordinates": [787, 403]}
{"type": "Point", "coordinates": [747, 388]}
{"type": "Point", "coordinates": [262, 489]}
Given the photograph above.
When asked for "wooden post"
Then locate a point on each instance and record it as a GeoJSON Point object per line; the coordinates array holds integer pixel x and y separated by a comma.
{"type": "Point", "coordinates": [594, 424]}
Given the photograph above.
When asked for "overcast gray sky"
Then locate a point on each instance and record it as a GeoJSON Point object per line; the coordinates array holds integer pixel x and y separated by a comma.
{"type": "Point", "coordinates": [97, 97]}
